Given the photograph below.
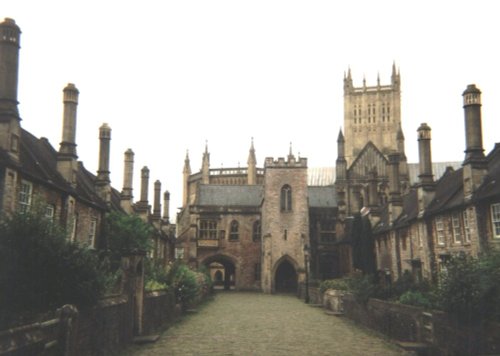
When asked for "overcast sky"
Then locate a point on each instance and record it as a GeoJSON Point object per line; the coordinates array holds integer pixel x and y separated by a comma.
{"type": "Point", "coordinates": [167, 76]}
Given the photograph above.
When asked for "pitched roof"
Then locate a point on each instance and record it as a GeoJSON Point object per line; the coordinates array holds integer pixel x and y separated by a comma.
{"type": "Point", "coordinates": [490, 187]}
{"type": "Point", "coordinates": [449, 192]}
{"type": "Point", "coordinates": [230, 195]}
{"type": "Point", "coordinates": [322, 197]}
{"type": "Point", "coordinates": [38, 161]}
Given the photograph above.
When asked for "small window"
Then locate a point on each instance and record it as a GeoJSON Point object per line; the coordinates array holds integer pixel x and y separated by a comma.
{"type": "Point", "coordinates": [179, 253]}
{"type": "Point", "coordinates": [74, 227]}
{"type": "Point", "coordinates": [286, 198]}
{"type": "Point", "coordinates": [495, 220]}
{"type": "Point", "coordinates": [440, 230]}
{"type": "Point", "coordinates": [457, 231]}
{"type": "Point", "coordinates": [25, 196]}
{"type": "Point", "coordinates": [92, 232]}
{"type": "Point", "coordinates": [234, 233]}
{"type": "Point", "coordinates": [208, 230]}
{"type": "Point", "coordinates": [466, 226]}
{"type": "Point", "coordinates": [49, 212]}
{"type": "Point", "coordinates": [257, 230]}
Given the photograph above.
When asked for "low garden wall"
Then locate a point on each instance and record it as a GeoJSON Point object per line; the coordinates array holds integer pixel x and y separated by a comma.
{"type": "Point", "coordinates": [443, 334]}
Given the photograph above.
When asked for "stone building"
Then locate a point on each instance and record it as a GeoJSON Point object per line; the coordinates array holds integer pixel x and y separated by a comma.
{"type": "Point", "coordinates": [33, 172]}
{"type": "Point", "coordinates": [255, 222]}
{"type": "Point", "coordinates": [457, 213]}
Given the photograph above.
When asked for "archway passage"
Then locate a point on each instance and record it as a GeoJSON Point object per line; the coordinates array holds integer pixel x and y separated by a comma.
{"type": "Point", "coordinates": [222, 272]}
{"type": "Point", "coordinates": [286, 278]}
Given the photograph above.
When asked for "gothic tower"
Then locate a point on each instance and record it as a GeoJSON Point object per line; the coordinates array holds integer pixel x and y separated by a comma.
{"type": "Point", "coordinates": [285, 223]}
{"type": "Point", "coordinates": [371, 113]}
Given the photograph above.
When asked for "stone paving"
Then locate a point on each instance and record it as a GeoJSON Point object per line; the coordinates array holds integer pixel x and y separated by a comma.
{"type": "Point", "coordinates": [236, 323]}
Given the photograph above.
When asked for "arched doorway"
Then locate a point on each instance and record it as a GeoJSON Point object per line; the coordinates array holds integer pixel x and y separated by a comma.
{"type": "Point", "coordinates": [285, 278]}
{"type": "Point", "coordinates": [222, 271]}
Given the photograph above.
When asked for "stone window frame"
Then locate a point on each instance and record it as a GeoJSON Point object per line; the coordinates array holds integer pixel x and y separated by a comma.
{"type": "Point", "coordinates": [467, 230]}
{"type": "Point", "coordinates": [74, 227]}
{"type": "Point", "coordinates": [495, 220]}
{"type": "Point", "coordinates": [25, 196]}
{"type": "Point", "coordinates": [286, 198]}
{"type": "Point", "coordinates": [440, 235]}
{"type": "Point", "coordinates": [456, 228]}
{"type": "Point", "coordinates": [234, 233]}
{"type": "Point", "coordinates": [92, 232]}
{"type": "Point", "coordinates": [207, 229]}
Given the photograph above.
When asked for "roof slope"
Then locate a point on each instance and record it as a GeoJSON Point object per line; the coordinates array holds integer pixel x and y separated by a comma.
{"type": "Point", "coordinates": [230, 195]}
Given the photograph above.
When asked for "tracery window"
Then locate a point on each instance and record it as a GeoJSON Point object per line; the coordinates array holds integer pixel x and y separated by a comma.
{"type": "Point", "coordinates": [286, 198]}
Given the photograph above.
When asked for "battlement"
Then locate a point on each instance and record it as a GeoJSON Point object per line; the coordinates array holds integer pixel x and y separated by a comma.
{"type": "Point", "coordinates": [282, 163]}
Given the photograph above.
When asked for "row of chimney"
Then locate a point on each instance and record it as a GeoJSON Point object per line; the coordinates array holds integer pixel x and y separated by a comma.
{"type": "Point", "coordinates": [67, 164]}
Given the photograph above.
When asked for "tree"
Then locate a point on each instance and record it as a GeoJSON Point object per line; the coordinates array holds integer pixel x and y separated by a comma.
{"type": "Point", "coordinates": [363, 248]}
{"type": "Point", "coordinates": [125, 233]}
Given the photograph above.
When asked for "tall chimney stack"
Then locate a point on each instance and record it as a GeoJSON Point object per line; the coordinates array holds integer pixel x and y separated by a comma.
{"type": "Point", "coordinates": [166, 206]}
{"type": "Point", "coordinates": [67, 163]}
{"type": "Point", "coordinates": [142, 206]}
{"type": "Point", "coordinates": [475, 165]}
{"type": "Point", "coordinates": [425, 187]}
{"type": "Point", "coordinates": [10, 121]}
{"type": "Point", "coordinates": [103, 182]}
{"type": "Point", "coordinates": [157, 201]}
{"type": "Point", "coordinates": [128, 175]}
{"type": "Point", "coordinates": [395, 200]}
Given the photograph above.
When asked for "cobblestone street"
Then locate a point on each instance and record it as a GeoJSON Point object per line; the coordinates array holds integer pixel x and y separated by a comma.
{"type": "Point", "coordinates": [259, 324]}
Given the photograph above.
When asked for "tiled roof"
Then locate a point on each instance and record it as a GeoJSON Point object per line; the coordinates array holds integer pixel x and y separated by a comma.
{"type": "Point", "coordinates": [38, 161]}
{"type": "Point", "coordinates": [230, 195]}
{"type": "Point", "coordinates": [449, 192]}
{"type": "Point", "coordinates": [322, 197]}
{"type": "Point", "coordinates": [491, 184]}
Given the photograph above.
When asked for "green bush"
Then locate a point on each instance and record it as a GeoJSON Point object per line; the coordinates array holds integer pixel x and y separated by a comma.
{"type": "Point", "coordinates": [416, 298]}
{"type": "Point", "coordinates": [127, 233]}
{"type": "Point", "coordinates": [185, 284]}
{"type": "Point", "coordinates": [337, 284]}
{"type": "Point", "coordinates": [41, 270]}
{"type": "Point", "coordinates": [470, 288]}
{"type": "Point", "coordinates": [364, 287]}
{"type": "Point", "coordinates": [156, 276]}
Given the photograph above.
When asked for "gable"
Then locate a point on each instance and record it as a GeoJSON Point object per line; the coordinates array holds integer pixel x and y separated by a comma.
{"type": "Point", "coordinates": [369, 158]}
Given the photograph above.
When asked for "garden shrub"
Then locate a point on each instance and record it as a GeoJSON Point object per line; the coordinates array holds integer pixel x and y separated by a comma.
{"type": "Point", "coordinates": [125, 233]}
{"type": "Point", "coordinates": [337, 284]}
{"type": "Point", "coordinates": [416, 298]}
{"type": "Point", "coordinates": [470, 287]}
{"type": "Point", "coordinates": [41, 270]}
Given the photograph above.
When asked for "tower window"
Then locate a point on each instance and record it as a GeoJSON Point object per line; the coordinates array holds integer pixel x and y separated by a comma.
{"type": "Point", "coordinates": [234, 233]}
{"type": "Point", "coordinates": [286, 198]}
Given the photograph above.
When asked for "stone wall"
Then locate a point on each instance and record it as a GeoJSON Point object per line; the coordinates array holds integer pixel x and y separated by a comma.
{"type": "Point", "coordinates": [442, 334]}
{"type": "Point", "coordinates": [102, 330]}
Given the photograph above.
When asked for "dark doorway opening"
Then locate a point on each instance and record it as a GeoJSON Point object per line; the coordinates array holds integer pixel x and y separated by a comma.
{"type": "Point", "coordinates": [286, 278]}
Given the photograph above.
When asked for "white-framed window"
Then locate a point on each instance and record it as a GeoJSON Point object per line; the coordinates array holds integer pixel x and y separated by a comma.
{"type": "Point", "coordinates": [208, 230]}
{"type": "Point", "coordinates": [495, 220]}
{"type": "Point", "coordinates": [457, 230]}
{"type": "Point", "coordinates": [440, 230]}
{"type": "Point", "coordinates": [92, 232]}
{"type": "Point", "coordinates": [467, 232]}
{"type": "Point", "coordinates": [25, 195]}
{"type": "Point", "coordinates": [50, 212]}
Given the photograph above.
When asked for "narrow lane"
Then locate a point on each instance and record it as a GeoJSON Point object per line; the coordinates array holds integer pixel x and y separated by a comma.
{"type": "Point", "coordinates": [259, 324]}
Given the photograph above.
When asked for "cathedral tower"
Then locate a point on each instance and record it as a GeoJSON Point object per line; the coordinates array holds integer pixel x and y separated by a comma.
{"type": "Point", "coordinates": [372, 113]}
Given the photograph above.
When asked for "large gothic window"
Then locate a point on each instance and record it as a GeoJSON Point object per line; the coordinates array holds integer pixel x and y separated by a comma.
{"type": "Point", "coordinates": [234, 233]}
{"type": "Point", "coordinates": [286, 198]}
